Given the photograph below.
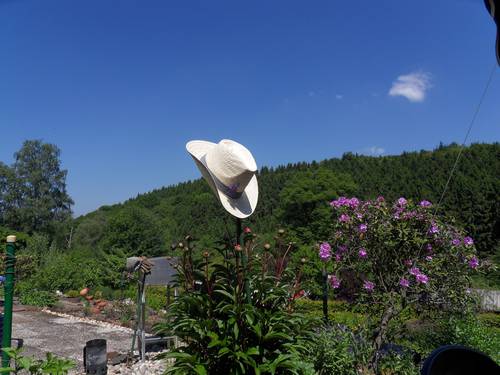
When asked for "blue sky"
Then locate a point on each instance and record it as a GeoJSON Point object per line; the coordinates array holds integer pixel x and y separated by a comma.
{"type": "Point", "coordinates": [121, 86]}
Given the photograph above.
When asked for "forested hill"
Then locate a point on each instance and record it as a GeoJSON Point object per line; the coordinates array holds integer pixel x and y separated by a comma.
{"type": "Point", "coordinates": [296, 196]}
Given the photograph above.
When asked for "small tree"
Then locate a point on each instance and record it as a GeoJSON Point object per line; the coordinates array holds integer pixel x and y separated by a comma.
{"type": "Point", "coordinates": [397, 255]}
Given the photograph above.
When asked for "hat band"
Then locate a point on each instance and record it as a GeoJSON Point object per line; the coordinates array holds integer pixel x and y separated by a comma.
{"type": "Point", "coordinates": [230, 191]}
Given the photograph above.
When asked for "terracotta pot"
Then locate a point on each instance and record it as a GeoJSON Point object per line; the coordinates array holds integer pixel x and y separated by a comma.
{"type": "Point", "coordinates": [95, 310]}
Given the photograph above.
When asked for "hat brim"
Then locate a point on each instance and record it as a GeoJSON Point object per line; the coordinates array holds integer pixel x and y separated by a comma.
{"type": "Point", "coordinates": [241, 207]}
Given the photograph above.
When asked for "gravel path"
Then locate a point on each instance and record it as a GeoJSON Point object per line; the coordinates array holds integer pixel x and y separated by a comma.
{"type": "Point", "coordinates": [65, 335]}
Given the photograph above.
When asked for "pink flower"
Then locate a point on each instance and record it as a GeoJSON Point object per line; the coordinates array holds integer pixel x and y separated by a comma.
{"type": "Point", "coordinates": [363, 228]}
{"type": "Point", "coordinates": [380, 199]}
{"type": "Point", "coordinates": [338, 257]}
{"type": "Point", "coordinates": [368, 285]}
{"type": "Point", "coordinates": [421, 278]}
{"type": "Point", "coordinates": [425, 203]}
{"type": "Point", "coordinates": [433, 229]}
{"type": "Point", "coordinates": [342, 249]}
{"type": "Point", "coordinates": [473, 262]}
{"type": "Point", "coordinates": [414, 271]}
{"type": "Point", "coordinates": [468, 241]}
{"type": "Point", "coordinates": [429, 248]}
{"type": "Point", "coordinates": [428, 258]}
{"type": "Point", "coordinates": [359, 215]}
{"type": "Point", "coordinates": [353, 202]}
{"type": "Point", "coordinates": [408, 262]}
{"type": "Point", "coordinates": [344, 218]}
{"type": "Point", "coordinates": [404, 283]}
{"type": "Point", "coordinates": [247, 230]}
{"type": "Point", "coordinates": [334, 282]}
{"type": "Point", "coordinates": [325, 251]}
{"type": "Point", "coordinates": [455, 242]}
{"type": "Point", "coordinates": [402, 202]}
{"type": "Point", "coordinates": [362, 253]}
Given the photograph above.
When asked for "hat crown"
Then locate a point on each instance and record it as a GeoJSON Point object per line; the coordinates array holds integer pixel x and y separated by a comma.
{"type": "Point", "coordinates": [232, 164]}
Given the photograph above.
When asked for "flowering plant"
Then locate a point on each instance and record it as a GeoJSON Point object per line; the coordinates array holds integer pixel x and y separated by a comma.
{"type": "Point", "coordinates": [397, 254]}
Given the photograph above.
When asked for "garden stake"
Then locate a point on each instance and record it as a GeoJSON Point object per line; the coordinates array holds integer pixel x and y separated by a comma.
{"type": "Point", "coordinates": [10, 262]}
{"type": "Point", "coordinates": [244, 261]}
{"type": "Point", "coordinates": [325, 295]}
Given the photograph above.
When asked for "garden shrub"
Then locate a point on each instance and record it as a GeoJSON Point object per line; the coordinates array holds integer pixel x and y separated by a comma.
{"type": "Point", "coordinates": [330, 351]}
{"type": "Point", "coordinates": [237, 317]}
{"type": "Point", "coordinates": [68, 270]}
{"type": "Point", "coordinates": [391, 256]}
{"type": "Point", "coordinates": [28, 295]}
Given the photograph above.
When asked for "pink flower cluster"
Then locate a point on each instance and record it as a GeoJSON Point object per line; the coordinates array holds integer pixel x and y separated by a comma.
{"type": "Point", "coordinates": [334, 282]}
{"type": "Point", "coordinates": [362, 253]}
{"type": "Point", "coordinates": [473, 262]}
{"type": "Point", "coordinates": [368, 285]}
{"type": "Point", "coordinates": [325, 251]}
{"type": "Point", "coordinates": [346, 202]}
{"type": "Point", "coordinates": [421, 278]}
{"type": "Point", "coordinates": [425, 203]}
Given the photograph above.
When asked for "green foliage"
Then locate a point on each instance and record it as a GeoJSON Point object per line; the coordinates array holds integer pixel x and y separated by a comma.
{"type": "Point", "coordinates": [424, 336]}
{"type": "Point", "coordinates": [72, 293]}
{"type": "Point", "coordinates": [491, 320]}
{"type": "Point", "coordinates": [338, 312]}
{"type": "Point", "coordinates": [32, 296]}
{"type": "Point", "coordinates": [397, 364]}
{"type": "Point", "coordinates": [22, 364]}
{"type": "Point", "coordinates": [398, 255]}
{"type": "Point", "coordinates": [33, 193]}
{"type": "Point", "coordinates": [304, 201]}
{"type": "Point", "coordinates": [331, 352]}
{"type": "Point", "coordinates": [229, 328]}
{"type": "Point", "coordinates": [191, 208]}
{"type": "Point", "coordinates": [469, 331]}
{"type": "Point", "coordinates": [132, 231]}
{"type": "Point", "coordinates": [68, 270]}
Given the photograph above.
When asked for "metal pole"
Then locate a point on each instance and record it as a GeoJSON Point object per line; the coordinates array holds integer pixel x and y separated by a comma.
{"type": "Point", "coordinates": [325, 295]}
{"type": "Point", "coordinates": [143, 319]}
{"type": "Point", "coordinates": [244, 261]}
{"type": "Point", "coordinates": [10, 262]}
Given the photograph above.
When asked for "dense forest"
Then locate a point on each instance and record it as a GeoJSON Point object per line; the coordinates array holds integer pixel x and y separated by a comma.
{"type": "Point", "coordinates": [33, 200]}
{"type": "Point", "coordinates": [297, 196]}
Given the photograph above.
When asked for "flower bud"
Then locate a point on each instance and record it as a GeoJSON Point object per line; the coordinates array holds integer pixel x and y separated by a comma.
{"type": "Point", "coordinates": [180, 245]}
{"type": "Point", "coordinates": [237, 247]}
{"type": "Point", "coordinates": [303, 260]}
{"type": "Point", "coordinates": [247, 230]}
{"type": "Point", "coordinates": [281, 231]}
{"type": "Point", "coordinates": [267, 246]}
{"type": "Point", "coordinates": [205, 254]}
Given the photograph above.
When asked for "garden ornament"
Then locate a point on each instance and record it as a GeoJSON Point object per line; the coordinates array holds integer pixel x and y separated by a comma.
{"type": "Point", "coordinates": [230, 170]}
{"type": "Point", "coordinates": [493, 7]}
{"type": "Point", "coordinates": [458, 360]}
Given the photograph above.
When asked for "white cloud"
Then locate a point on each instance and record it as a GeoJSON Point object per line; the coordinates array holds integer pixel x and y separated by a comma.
{"type": "Point", "coordinates": [373, 151]}
{"type": "Point", "coordinates": [412, 86]}
{"type": "Point", "coordinates": [339, 96]}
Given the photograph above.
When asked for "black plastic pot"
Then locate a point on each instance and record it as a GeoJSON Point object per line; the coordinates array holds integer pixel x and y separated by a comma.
{"type": "Point", "coordinates": [459, 360]}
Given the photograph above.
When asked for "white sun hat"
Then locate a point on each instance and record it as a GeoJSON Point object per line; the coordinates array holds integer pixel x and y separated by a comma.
{"type": "Point", "coordinates": [229, 169]}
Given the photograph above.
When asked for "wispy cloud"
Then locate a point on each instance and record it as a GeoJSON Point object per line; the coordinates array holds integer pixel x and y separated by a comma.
{"type": "Point", "coordinates": [412, 86]}
{"type": "Point", "coordinates": [372, 151]}
{"type": "Point", "coordinates": [339, 96]}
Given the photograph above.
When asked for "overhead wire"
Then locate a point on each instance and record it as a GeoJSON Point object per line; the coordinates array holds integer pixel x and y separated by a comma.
{"type": "Point", "coordinates": [469, 129]}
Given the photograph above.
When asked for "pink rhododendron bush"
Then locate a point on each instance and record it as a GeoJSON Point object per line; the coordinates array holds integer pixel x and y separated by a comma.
{"type": "Point", "coordinates": [396, 255]}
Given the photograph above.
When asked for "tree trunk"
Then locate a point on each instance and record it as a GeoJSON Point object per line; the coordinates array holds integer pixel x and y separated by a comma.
{"type": "Point", "coordinates": [381, 334]}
